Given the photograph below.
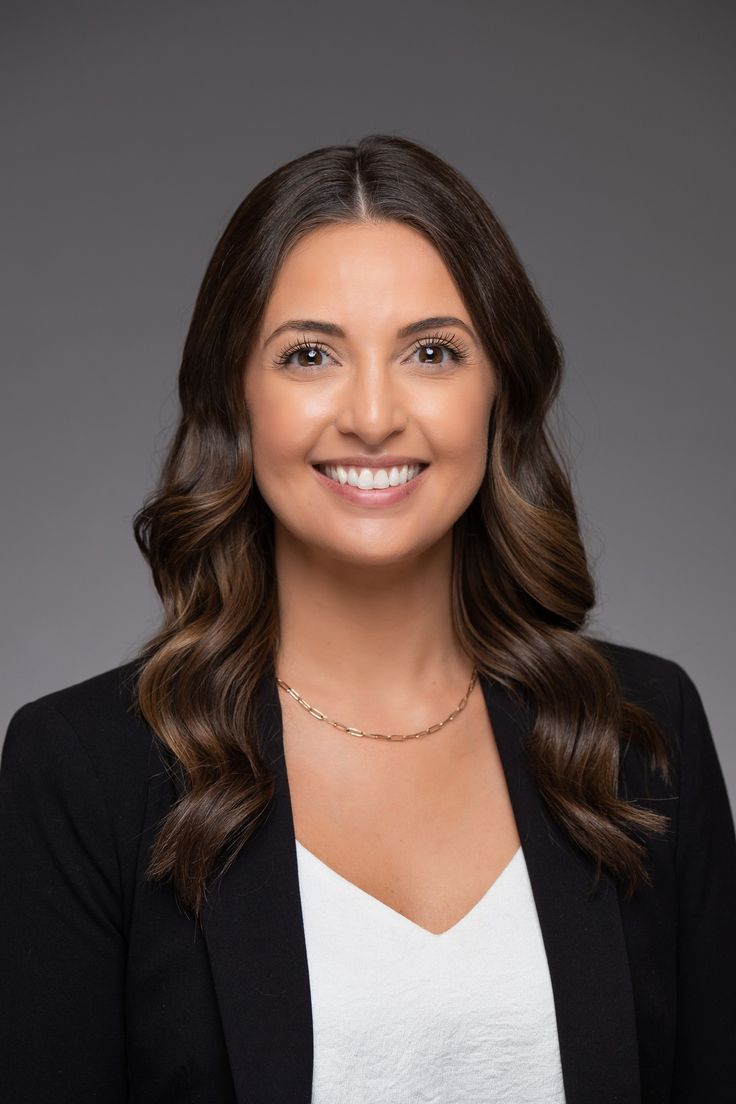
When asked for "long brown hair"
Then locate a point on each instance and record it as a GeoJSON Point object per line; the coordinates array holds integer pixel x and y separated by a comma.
{"type": "Point", "coordinates": [521, 586]}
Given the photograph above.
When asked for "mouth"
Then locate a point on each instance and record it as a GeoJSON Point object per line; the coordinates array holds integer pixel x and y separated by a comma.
{"type": "Point", "coordinates": [371, 479]}
{"type": "Point", "coordinates": [372, 488]}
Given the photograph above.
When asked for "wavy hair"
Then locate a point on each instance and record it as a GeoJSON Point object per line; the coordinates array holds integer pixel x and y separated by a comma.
{"type": "Point", "coordinates": [521, 586]}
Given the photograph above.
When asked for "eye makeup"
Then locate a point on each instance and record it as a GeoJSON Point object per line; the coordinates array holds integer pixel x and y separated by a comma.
{"type": "Point", "coordinates": [458, 350]}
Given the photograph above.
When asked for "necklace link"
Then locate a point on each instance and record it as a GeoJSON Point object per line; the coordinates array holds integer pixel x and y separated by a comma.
{"type": "Point", "coordinates": [395, 736]}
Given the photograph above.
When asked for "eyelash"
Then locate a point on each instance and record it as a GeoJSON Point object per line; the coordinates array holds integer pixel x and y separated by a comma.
{"type": "Point", "coordinates": [459, 351]}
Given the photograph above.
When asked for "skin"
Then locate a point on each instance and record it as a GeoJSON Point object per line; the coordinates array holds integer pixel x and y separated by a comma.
{"type": "Point", "coordinates": [364, 593]}
{"type": "Point", "coordinates": [424, 825]}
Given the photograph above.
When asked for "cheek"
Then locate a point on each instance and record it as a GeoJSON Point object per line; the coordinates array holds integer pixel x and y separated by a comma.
{"type": "Point", "coordinates": [458, 427]}
{"type": "Point", "coordinates": [280, 427]}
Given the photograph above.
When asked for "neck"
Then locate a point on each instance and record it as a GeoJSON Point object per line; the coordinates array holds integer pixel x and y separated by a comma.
{"type": "Point", "coordinates": [365, 638]}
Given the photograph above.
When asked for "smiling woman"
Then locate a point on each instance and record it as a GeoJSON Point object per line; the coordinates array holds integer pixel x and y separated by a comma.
{"type": "Point", "coordinates": [379, 382]}
{"type": "Point", "coordinates": [441, 843]}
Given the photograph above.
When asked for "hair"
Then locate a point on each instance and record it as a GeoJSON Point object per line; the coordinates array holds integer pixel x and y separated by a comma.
{"type": "Point", "coordinates": [521, 587]}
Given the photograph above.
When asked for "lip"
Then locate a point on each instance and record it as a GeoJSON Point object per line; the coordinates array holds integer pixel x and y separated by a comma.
{"type": "Point", "coordinates": [383, 496]}
{"type": "Point", "coordinates": [361, 460]}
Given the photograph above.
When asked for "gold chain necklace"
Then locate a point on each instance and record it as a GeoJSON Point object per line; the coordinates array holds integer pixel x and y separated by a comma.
{"type": "Point", "coordinates": [379, 735]}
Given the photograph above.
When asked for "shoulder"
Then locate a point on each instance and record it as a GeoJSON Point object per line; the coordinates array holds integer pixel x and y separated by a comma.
{"type": "Point", "coordinates": [85, 733]}
{"type": "Point", "coordinates": [666, 690]}
{"type": "Point", "coordinates": [81, 777]}
{"type": "Point", "coordinates": [648, 679]}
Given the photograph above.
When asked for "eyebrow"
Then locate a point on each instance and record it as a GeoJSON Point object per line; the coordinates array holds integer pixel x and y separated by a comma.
{"type": "Point", "coordinates": [332, 330]}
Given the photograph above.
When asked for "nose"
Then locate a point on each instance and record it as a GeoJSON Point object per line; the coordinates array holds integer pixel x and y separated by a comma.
{"type": "Point", "coordinates": [371, 404]}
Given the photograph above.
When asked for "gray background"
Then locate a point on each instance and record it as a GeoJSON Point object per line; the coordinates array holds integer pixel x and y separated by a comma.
{"type": "Point", "coordinates": [600, 135]}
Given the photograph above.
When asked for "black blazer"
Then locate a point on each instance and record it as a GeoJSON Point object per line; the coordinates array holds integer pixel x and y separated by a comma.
{"type": "Point", "coordinates": [110, 993]}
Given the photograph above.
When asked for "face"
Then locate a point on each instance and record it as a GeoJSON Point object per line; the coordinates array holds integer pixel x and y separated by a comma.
{"type": "Point", "coordinates": [356, 378]}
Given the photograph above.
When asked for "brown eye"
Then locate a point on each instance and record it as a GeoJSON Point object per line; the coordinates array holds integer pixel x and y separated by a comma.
{"type": "Point", "coordinates": [440, 350]}
{"type": "Point", "coordinates": [310, 355]}
{"type": "Point", "coordinates": [432, 354]}
{"type": "Point", "coordinates": [309, 358]}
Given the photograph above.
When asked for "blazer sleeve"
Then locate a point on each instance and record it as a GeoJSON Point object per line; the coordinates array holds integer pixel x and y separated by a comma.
{"type": "Point", "coordinates": [62, 943]}
{"type": "Point", "coordinates": [706, 949]}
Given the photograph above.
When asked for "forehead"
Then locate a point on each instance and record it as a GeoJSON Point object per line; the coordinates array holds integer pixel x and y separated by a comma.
{"type": "Point", "coordinates": [386, 273]}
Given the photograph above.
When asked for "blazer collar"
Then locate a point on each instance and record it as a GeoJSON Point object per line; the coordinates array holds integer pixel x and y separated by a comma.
{"type": "Point", "coordinates": [256, 943]}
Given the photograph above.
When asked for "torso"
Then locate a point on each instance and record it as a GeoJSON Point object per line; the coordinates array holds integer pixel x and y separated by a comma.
{"type": "Point", "coordinates": [425, 826]}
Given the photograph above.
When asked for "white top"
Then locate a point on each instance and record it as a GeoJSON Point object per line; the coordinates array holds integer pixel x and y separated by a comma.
{"type": "Point", "coordinates": [404, 1016]}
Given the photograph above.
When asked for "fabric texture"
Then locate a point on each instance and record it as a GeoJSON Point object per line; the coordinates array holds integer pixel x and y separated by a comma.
{"type": "Point", "coordinates": [404, 1015]}
{"type": "Point", "coordinates": [111, 993]}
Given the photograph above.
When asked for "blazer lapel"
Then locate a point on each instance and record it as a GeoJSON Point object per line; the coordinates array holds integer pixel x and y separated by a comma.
{"type": "Point", "coordinates": [256, 943]}
{"type": "Point", "coordinates": [582, 934]}
{"type": "Point", "coordinates": [255, 938]}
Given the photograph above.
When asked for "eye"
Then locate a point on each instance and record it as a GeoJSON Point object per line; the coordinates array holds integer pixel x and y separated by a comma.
{"type": "Point", "coordinates": [433, 343]}
{"type": "Point", "coordinates": [310, 354]}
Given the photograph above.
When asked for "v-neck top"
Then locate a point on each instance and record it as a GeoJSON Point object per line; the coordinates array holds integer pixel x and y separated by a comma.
{"type": "Point", "coordinates": [402, 1015]}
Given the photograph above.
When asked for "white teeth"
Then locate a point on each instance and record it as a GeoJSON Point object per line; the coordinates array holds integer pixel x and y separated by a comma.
{"type": "Point", "coordinates": [367, 479]}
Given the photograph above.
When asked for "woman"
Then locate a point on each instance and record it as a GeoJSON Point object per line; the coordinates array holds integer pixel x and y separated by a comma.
{"type": "Point", "coordinates": [370, 818]}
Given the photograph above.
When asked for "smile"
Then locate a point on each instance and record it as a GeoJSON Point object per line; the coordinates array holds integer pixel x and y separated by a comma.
{"type": "Point", "coordinates": [370, 479]}
{"type": "Point", "coordinates": [372, 488]}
